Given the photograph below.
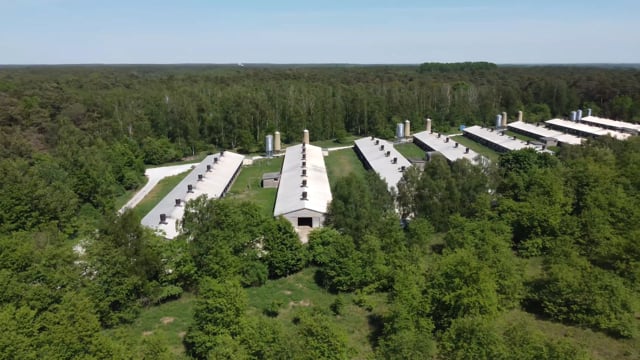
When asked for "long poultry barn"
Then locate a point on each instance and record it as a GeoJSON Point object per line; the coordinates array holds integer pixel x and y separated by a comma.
{"type": "Point", "coordinates": [304, 192]}
{"type": "Point", "coordinates": [212, 178]}
{"type": "Point", "coordinates": [380, 156]}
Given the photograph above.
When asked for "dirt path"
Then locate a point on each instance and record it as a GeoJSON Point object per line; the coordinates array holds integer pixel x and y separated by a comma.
{"type": "Point", "coordinates": [155, 175]}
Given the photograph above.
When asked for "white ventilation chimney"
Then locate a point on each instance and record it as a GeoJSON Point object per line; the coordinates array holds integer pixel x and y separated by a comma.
{"type": "Point", "coordinates": [428, 125]}
{"type": "Point", "coordinates": [305, 136]}
{"type": "Point", "coordinates": [520, 116]}
{"type": "Point", "coordinates": [504, 119]}
{"type": "Point", "coordinates": [407, 128]}
{"type": "Point", "coordinates": [498, 121]}
{"type": "Point", "coordinates": [589, 112]}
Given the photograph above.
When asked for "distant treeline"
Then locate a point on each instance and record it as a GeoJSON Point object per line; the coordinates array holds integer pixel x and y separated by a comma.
{"type": "Point", "coordinates": [456, 67]}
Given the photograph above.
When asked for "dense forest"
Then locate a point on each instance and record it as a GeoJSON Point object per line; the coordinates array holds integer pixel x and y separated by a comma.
{"type": "Point", "coordinates": [555, 236]}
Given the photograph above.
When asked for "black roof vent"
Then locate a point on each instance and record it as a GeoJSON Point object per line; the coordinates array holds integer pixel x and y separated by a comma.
{"type": "Point", "coordinates": [381, 147]}
{"type": "Point", "coordinates": [377, 142]}
{"type": "Point", "coordinates": [304, 183]}
{"type": "Point", "coordinates": [163, 218]}
{"type": "Point", "coordinates": [304, 156]}
{"type": "Point", "coordinates": [215, 160]}
{"type": "Point", "coordinates": [304, 195]}
{"type": "Point", "coordinates": [395, 160]}
{"type": "Point", "coordinates": [304, 172]}
{"type": "Point", "coordinates": [200, 177]}
{"type": "Point", "coordinates": [372, 137]}
{"type": "Point", "coordinates": [189, 188]}
{"type": "Point", "coordinates": [208, 168]}
{"type": "Point", "coordinates": [446, 140]}
{"type": "Point", "coordinates": [222, 153]}
{"type": "Point", "coordinates": [455, 145]}
{"type": "Point", "coordinates": [439, 136]}
{"type": "Point", "coordinates": [304, 164]}
{"type": "Point", "coordinates": [178, 202]}
{"type": "Point", "coordinates": [388, 154]}
{"type": "Point", "coordinates": [466, 150]}
{"type": "Point", "coordinates": [403, 168]}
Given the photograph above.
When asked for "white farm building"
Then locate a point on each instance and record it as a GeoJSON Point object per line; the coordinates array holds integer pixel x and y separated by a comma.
{"type": "Point", "coordinates": [304, 192]}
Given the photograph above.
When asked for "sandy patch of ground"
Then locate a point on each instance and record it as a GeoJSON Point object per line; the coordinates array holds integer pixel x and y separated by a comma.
{"type": "Point", "coordinates": [167, 320]}
{"type": "Point", "coordinates": [299, 303]}
{"type": "Point", "coordinates": [147, 333]}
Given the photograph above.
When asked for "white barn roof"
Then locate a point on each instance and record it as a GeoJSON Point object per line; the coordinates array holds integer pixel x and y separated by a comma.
{"type": "Point", "coordinates": [289, 197]}
{"type": "Point", "coordinates": [543, 132]}
{"type": "Point", "coordinates": [213, 185]}
{"type": "Point", "coordinates": [380, 162]}
{"type": "Point", "coordinates": [500, 140]}
{"type": "Point", "coordinates": [450, 149]}
{"type": "Point", "coordinates": [611, 124]}
{"type": "Point", "coordinates": [588, 130]}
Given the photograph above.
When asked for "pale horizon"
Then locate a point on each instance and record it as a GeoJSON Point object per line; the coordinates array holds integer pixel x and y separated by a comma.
{"type": "Point", "coordinates": [376, 32]}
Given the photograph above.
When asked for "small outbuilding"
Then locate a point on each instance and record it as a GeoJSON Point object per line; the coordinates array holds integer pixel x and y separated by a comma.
{"type": "Point", "coordinates": [270, 180]}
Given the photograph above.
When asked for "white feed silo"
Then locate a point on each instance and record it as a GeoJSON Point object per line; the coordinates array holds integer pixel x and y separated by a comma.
{"type": "Point", "coordinates": [268, 145]}
{"type": "Point", "coordinates": [277, 146]}
{"type": "Point", "coordinates": [399, 131]}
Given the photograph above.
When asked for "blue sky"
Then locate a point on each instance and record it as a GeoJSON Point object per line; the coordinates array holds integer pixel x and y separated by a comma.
{"type": "Point", "coordinates": [328, 31]}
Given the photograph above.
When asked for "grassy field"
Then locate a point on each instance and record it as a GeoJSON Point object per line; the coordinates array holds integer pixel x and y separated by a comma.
{"type": "Point", "coordinates": [171, 320]}
{"type": "Point", "coordinates": [341, 163]}
{"type": "Point", "coordinates": [519, 136]}
{"type": "Point", "coordinates": [247, 185]}
{"type": "Point", "coordinates": [157, 193]}
{"type": "Point", "coordinates": [480, 149]}
{"type": "Point", "coordinates": [300, 290]}
{"type": "Point", "coordinates": [332, 143]}
{"type": "Point", "coordinates": [410, 150]}
{"type": "Point", "coordinates": [598, 345]}
{"type": "Point", "coordinates": [168, 321]}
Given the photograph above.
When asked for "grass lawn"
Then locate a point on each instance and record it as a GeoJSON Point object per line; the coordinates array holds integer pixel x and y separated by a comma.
{"type": "Point", "coordinates": [300, 290]}
{"type": "Point", "coordinates": [410, 150]}
{"type": "Point", "coordinates": [480, 149]}
{"type": "Point", "coordinates": [349, 140]}
{"type": "Point", "coordinates": [157, 193]}
{"type": "Point", "coordinates": [341, 163]}
{"type": "Point", "coordinates": [598, 345]}
{"type": "Point", "coordinates": [168, 321]}
{"type": "Point", "coordinates": [247, 185]}
{"type": "Point", "coordinates": [519, 136]}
